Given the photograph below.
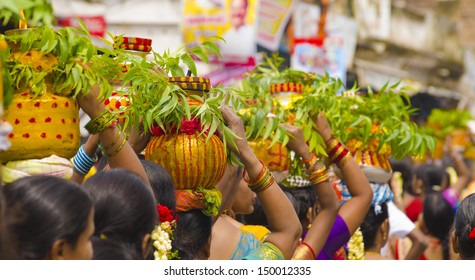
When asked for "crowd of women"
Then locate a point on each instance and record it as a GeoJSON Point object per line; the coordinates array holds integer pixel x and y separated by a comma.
{"type": "Point", "coordinates": [129, 209]}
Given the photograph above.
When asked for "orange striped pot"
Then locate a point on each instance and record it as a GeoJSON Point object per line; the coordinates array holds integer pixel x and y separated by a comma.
{"type": "Point", "coordinates": [191, 161]}
{"type": "Point", "coordinates": [44, 126]}
{"type": "Point", "coordinates": [276, 158]}
{"type": "Point", "coordinates": [376, 167]}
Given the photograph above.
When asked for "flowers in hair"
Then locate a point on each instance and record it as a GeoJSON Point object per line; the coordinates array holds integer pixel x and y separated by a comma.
{"type": "Point", "coordinates": [356, 246]}
{"type": "Point", "coordinates": [162, 236]}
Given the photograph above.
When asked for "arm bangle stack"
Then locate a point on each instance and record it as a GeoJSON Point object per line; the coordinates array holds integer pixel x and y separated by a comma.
{"type": "Point", "coordinates": [262, 182]}
{"type": "Point", "coordinates": [338, 153]}
{"type": "Point", "coordinates": [100, 123]}
{"type": "Point", "coordinates": [83, 162]}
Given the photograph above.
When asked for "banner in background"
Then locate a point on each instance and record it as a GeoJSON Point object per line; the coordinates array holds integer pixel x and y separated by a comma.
{"type": "Point", "coordinates": [273, 16]}
{"type": "Point", "coordinates": [234, 20]}
{"type": "Point", "coordinates": [95, 24]}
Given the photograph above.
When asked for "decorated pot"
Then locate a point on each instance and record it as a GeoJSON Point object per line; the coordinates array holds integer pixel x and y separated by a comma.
{"type": "Point", "coordinates": [276, 158]}
{"type": "Point", "coordinates": [286, 93]}
{"type": "Point", "coordinates": [43, 126]}
{"type": "Point", "coordinates": [191, 160]}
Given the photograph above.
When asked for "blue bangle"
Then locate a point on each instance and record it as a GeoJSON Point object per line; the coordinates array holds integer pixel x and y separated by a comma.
{"type": "Point", "coordinates": [83, 162]}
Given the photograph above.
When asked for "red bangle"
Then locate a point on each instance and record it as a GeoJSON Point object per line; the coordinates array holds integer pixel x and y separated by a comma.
{"type": "Point", "coordinates": [334, 149]}
{"type": "Point", "coordinates": [253, 181]}
{"type": "Point", "coordinates": [341, 155]}
{"type": "Point", "coordinates": [310, 248]}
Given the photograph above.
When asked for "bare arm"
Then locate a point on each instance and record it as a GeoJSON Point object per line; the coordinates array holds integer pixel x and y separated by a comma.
{"type": "Point", "coordinates": [419, 244]}
{"type": "Point", "coordinates": [323, 222]}
{"type": "Point", "coordinates": [354, 210]}
{"type": "Point", "coordinates": [463, 173]}
{"type": "Point", "coordinates": [283, 220]}
{"type": "Point", "coordinates": [125, 157]}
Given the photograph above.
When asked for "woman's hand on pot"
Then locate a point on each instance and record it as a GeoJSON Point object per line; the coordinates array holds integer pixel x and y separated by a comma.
{"type": "Point", "coordinates": [90, 103]}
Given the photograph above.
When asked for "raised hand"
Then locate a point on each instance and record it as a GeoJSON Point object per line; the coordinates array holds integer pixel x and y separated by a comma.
{"type": "Point", "coordinates": [297, 142]}
{"type": "Point", "coordinates": [323, 127]}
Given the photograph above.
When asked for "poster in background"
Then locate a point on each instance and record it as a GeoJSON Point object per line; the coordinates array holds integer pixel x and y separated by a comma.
{"type": "Point", "coordinates": [327, 58]}
{"type": "Point", "coordinates": [305, 22]}
{"type": "Point", "coordinates": [234, 20]}
{"type": "Point", "coordinates": [273, 16]}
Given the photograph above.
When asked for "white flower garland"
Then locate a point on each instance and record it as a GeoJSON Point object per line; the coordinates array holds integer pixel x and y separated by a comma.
{"type": "Point", "coordinates": [161, 241]}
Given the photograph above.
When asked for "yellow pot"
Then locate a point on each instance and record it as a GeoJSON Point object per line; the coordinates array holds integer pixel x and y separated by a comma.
{"type": "Point", "coordinates": [191, 161]}
{"type": "Point", "coordinates": [44, 126]}
{"type": "Point", "coordinates": [276, 158]}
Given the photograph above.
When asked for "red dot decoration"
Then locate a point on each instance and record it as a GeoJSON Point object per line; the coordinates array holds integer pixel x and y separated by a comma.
{"type": "Point", "coordinates": [37, 104]}
{"type": "Point", "coordinates": [48, 119]}
{"type": "Point", "coordinates": [17, 121]}
{"type": "Point", "coordinates": [59, 136]}
{"type": "Point", "coordinates": [43, 135]}
{"type": "Point", "coordinates": [32, 120]}
{"type": "Point", "coordinates": [11, 135]}
{"type": "Point", "coordinates": [19, 105]}
{"type": "Point", "coordinates": [54, 105]}
{"type": "Point", "coordinates": [26, 135]}
{"type": "Point", "coordinates": [63, 121]}
{"type": "Point", "coordinates": [66, 104]}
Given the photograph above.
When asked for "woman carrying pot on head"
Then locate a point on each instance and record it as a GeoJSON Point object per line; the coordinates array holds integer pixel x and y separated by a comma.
{"type": "Point", "coordinates": [281, 242]}
{"type": "Point", "coordinates": [349, 216]}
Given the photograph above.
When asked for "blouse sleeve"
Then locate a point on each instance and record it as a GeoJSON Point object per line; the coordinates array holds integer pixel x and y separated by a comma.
{"type": "Point", "coordinates": [267, 251]}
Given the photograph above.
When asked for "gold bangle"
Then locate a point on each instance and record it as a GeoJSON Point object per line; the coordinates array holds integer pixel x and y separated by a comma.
{"type": "Point", "coordinates": [264, 183]}
{"type": "Point", "coordinates": [320, 179]}
{"type": "Point", "coordinates": [303, 252]}
{"type": "Point", "coordinates": [337, 153]}
{"type": "Point", "coordinates": [344, 160]}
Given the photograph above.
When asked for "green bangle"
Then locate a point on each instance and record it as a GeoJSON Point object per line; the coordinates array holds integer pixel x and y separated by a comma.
{"type": "Point", "coordinates": [100, 123]}
{"type": "Point", "coordinates": [118, 149]}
